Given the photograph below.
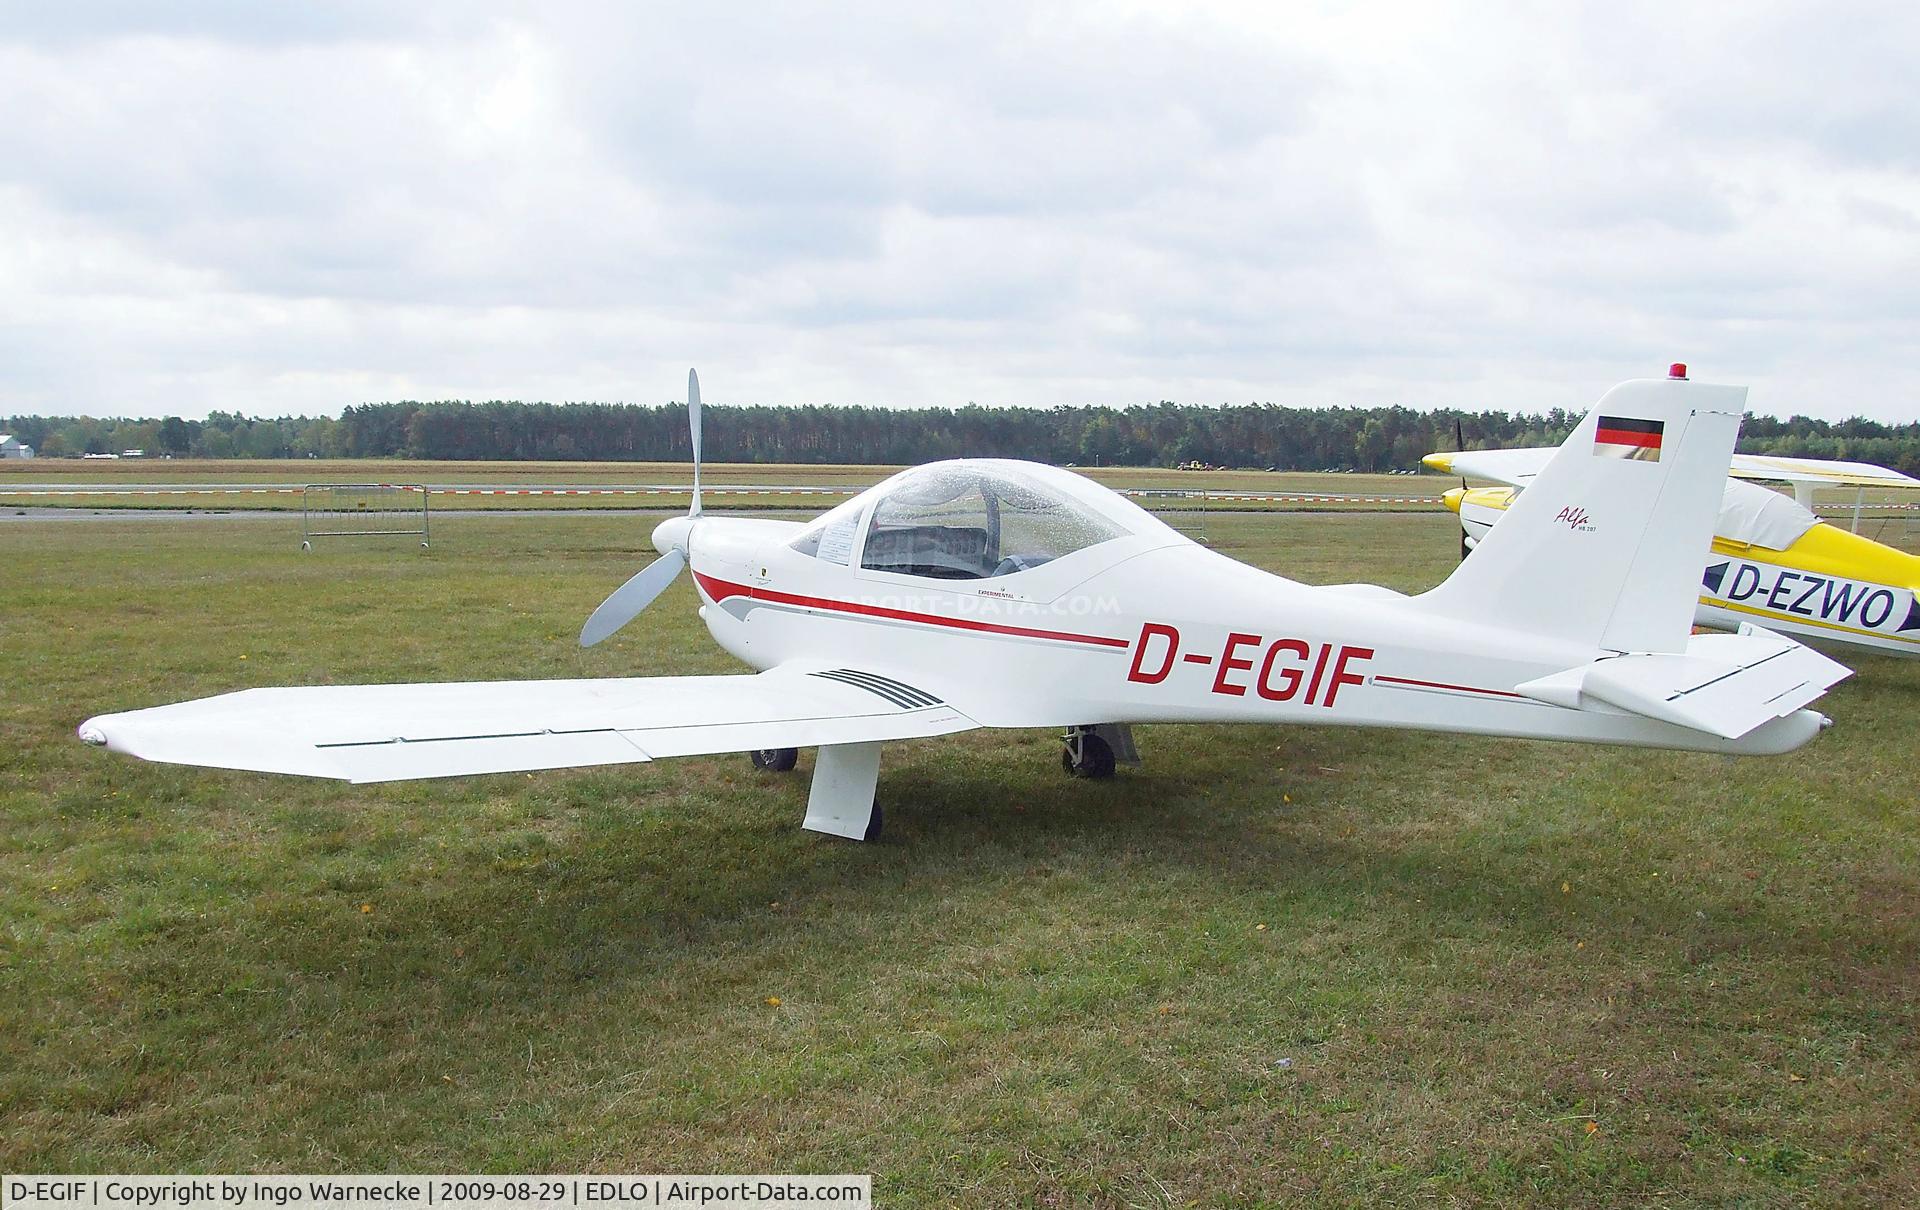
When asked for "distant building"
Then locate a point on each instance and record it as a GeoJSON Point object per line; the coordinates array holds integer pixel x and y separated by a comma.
{"type": "Point", "coordinates": [13, 447]}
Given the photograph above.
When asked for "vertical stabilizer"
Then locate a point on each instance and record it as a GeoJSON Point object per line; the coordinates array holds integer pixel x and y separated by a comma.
{"type": "Point", "coordinates": [1606, 543]}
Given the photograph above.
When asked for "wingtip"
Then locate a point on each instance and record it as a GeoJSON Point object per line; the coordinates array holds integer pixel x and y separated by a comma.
{"type": "Point", "coordinates": [91, 734]}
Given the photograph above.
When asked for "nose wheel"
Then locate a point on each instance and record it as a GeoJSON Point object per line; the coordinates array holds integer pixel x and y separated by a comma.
{"type": "Point", "coordinates": [775, 760]}
{"type": "Point", "coordinates": [1085, 754]}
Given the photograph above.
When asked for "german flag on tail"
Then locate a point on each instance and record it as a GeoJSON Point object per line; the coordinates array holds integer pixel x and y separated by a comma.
{"type": "Point", "coordinates": [1625, 437]}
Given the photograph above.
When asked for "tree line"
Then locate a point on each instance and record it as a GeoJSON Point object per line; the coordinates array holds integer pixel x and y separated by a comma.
{"type": "Point", "coordinates": [1161, 434]}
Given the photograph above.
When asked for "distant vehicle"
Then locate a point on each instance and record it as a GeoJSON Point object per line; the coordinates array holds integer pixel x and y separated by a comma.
{"type": "Point", "coordinates": [994, 593]}
{"type": "Point", "coordinates": [100, 457]}
{"type": "Point", "coordinates": [1772, 560]}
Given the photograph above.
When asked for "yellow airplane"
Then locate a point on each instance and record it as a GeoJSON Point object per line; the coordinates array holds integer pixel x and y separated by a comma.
{"type": "Point", "coordinates": [1774, 562]}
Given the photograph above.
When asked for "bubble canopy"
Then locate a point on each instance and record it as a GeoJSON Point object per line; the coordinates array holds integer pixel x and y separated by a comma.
{"type": "Point", "coordinates": [974, 519]}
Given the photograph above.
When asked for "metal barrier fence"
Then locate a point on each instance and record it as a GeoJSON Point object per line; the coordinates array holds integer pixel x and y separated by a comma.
{"type": "Point", "coordinates": [363, 510]}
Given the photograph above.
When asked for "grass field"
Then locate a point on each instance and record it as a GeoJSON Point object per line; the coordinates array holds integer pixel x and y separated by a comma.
{"type": "Point", "coordinates": [1359, 967]}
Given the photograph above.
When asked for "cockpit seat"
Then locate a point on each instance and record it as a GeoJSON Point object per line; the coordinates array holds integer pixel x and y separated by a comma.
{"type": "Point", "coordinates": [944, 552]}
{"type": "Point", "coordinates": [1013, 563]}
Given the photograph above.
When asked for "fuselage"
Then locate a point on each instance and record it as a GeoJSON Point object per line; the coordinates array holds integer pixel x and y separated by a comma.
{"type": "Point", "coordinates": [1145, 626]}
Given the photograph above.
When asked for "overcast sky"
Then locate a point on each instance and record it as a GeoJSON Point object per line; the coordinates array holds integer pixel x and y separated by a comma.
{"type": "Point", "coordinates": [242, 206]}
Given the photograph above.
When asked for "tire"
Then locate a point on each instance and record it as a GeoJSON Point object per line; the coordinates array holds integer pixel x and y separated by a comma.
{"type": "Point", "coordinates": [1096, 759]}
{"type": "Point", "coordinates": [775, 760]}
{"type": "Point", "coordinates": [874, 824]}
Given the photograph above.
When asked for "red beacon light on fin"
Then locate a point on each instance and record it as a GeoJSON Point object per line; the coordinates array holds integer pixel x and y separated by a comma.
{"type": "Point", "coordinates": [1677, 370]}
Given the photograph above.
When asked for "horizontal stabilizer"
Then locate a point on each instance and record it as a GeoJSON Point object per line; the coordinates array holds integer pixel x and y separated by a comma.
{"type": "Point", "coordinates": [1723, 684]}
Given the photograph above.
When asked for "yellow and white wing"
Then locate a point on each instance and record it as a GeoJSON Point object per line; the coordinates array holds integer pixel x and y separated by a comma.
{"type": "Point", "coordinates": [1514, 467]}
{"type": "Point", "coordinates": [1517, 467]}
{"type": "Point", "coordinates": [371, 733]}
{"type": "Point", "coordinates": [1818, 471]}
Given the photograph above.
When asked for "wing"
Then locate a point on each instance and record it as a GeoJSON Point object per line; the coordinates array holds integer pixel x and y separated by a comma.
{"type": "Point", "coordinates": [1516, 467]}
{"type": "Point", "coordinates": [367, 733]}
{"type": "Point", "coordinates": [1504, 466]}
{"type": "Point", "coordinates": [1818, 470]}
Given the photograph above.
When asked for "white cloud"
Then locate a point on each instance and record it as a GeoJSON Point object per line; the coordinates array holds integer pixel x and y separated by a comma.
{"type": "Point", "coordinates": [237, 207]}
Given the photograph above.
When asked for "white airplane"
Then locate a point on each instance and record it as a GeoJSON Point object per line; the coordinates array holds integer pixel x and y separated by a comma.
{"type": "Point", "coordinates": [990, 593]}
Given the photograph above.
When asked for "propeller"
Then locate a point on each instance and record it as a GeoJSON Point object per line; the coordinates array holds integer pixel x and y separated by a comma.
{"type": "Point", "coordinates": [671, 538]}
{"type": "Point", "coordinates": [635, 595]}
{"type": "Point", "coordinates": [693, 429]}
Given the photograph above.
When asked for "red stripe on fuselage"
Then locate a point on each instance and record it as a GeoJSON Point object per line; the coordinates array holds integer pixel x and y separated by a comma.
{"type": "Point", "coordinates": [1417, 684]}
{"type": "Point", "coordinates": [719, 590]}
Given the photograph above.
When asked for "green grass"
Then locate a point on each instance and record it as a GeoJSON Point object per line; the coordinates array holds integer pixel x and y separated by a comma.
{"type": "Point", "coordinates": [1353, 966]}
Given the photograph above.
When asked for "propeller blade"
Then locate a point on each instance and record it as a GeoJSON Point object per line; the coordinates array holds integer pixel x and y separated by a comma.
{"type": "Point", "coordinates": [635, 595]}
{"type": "Point", "coordinates": [693, 426]}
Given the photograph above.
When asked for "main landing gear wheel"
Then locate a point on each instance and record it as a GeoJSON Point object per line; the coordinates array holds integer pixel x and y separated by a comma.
{"type": "Point", "coordinates": [775, 760]}
{"type": "Point", "coordinates": [874, 823]}
{"type": "Point", "coordinates": [1086, 755]}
